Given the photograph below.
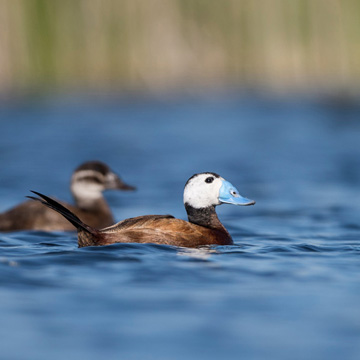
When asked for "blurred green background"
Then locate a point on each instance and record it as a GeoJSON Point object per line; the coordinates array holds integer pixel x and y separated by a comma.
{"type": "Point", "coordinates": [160, 45]}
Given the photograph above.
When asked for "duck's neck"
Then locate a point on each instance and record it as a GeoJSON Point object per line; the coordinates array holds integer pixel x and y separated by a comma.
{"type": "Point", "coordinates": [206, 217]}
{"type": "Point", "coordinates": [92, 203]}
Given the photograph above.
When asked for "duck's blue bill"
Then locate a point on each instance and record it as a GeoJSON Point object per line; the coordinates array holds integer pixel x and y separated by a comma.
{"type": "Point", "coordinates": [228, 194]}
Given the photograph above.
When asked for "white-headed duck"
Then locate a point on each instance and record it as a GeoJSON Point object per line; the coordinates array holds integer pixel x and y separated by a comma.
{"type": "Point", "coordinates": [202, 193]}
{"type": "Point", "coordinates": [88, 182]}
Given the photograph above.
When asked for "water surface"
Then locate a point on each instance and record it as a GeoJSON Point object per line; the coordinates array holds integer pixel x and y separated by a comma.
{"type": "Point", "coordinates": [288, 289]}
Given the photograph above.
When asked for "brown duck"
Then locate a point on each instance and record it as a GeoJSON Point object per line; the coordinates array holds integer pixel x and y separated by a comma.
{"type": "Point", "coordinates": [88, 182]}
{"type": "Point", "coordinates": [202, 193]}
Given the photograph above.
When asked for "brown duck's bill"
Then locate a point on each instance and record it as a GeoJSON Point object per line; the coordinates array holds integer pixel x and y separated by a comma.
{"type": "Point", "coordinates": [113, 182]}
{"type": "Point", "coordinates": [126, 187]}
{"type": "Point", "coordinates": [120, 185]}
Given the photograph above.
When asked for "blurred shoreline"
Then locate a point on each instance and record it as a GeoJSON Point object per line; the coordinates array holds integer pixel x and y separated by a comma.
{"type": "Point", "coordinates": [186, 46]}
{"type": "Point", "coordinates": [335, 97]}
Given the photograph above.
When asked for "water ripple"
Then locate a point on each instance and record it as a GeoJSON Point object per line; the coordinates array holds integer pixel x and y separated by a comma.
{"type": "Point", "coordinates": [288, 288]}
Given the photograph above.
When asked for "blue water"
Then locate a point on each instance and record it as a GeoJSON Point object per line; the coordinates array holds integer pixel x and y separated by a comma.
{"type": "Point", "coordinates": [288, 289]}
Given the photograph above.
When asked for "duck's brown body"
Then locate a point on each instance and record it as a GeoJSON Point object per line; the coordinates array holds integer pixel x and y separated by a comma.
{"type": "Point", "coordinates": [159, 229]}
{"type": "Point", "coordinates": [31, 215]}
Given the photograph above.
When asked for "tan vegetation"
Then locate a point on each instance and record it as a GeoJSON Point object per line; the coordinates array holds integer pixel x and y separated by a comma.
{"type": "Point", "coordinates": [165, 44]}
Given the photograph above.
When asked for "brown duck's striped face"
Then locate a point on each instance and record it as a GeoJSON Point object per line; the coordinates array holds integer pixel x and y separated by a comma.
{"type": "Point", "coordinates": [92, 178]}
{"type": "Point", "coordinates": [209, 189]}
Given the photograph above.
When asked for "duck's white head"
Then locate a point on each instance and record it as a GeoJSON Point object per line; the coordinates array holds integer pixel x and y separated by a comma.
{"type": "Point", "coordinates": [209, 189]}
{"type": "Point", "coordinates": [90, 179]}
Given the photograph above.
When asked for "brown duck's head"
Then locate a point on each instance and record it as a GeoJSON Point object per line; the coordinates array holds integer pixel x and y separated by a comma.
{"type": "Point", "coordinates": [90, 179]}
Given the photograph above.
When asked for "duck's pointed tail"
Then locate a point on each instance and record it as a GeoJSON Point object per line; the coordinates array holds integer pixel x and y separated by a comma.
{"type": "Point", "coordinates": [66, 213]}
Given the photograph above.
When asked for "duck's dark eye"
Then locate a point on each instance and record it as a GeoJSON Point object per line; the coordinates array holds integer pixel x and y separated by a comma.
{"type": "Point", "coordinates": [209, 180]}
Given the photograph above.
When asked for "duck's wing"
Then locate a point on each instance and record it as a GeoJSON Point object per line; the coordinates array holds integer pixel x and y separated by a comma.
{"type": "Point", "coordinates": [135, 222]}
{"type": "Point", "coordinates": [159, 229]}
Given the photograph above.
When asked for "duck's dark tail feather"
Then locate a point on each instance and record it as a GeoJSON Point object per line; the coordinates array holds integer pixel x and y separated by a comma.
{"type": "Point", "coordinates": [66, 213]}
